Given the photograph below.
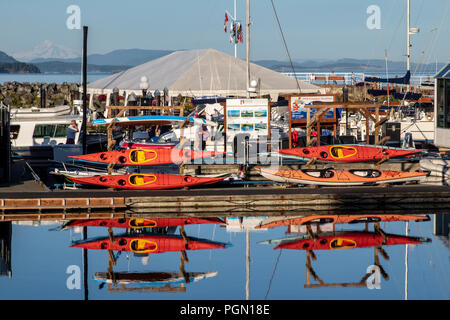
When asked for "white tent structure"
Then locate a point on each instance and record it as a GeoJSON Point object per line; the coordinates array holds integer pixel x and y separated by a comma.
{"type": "Point", "coordinates": [196, 73]}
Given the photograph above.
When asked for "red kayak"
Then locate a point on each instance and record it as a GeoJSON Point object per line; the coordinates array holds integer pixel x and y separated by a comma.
{"type": "Point", "coordinates": [146, 181]}
{"type": "Point", "coordinates": [348, 240]}
{"type": "Point", "coordinates": [145, 156]}
{"type": "Point", "coordinates": [145, 243]}
{"type": "Point", "coordinates": [136, 223]}
{"type": "Point", "coordinates": [348, 153]}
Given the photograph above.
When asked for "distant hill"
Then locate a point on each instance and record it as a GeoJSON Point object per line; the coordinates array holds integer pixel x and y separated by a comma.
{"type": "Point", "coordinates": [5, 58]}
{"type": "Point", "coordinates": [343, 65]}
{"type": "Point", "coordinates": [75, 67]}
{"type": "Point", "coordinates": [10, 65]}
{"type": "Point", "coordinates": [123, 57]}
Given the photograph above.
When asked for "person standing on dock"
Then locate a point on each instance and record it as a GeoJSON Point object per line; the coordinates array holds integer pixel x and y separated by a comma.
{"type": "Point", "coordinates": [72, 129]}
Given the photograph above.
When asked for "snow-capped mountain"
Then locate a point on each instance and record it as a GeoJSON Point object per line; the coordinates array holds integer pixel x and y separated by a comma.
{"type": "Point", "coordinates": [46, 50]}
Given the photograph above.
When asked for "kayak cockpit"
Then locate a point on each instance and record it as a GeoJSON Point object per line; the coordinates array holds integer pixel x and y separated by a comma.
{"type": "Point", "coordinates": [143, 246]}
{"type": "Point", "coordinates": [370, 173]}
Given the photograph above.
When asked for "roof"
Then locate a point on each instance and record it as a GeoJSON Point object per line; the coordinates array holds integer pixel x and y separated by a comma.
{"type": "Point", "coordinates": [201, 71]}
{"type": "Point", "coordinates": [444, 72]}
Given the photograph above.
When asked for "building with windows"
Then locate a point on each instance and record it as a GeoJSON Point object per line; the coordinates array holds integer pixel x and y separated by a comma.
{"type": "Point", "coordinates": [442, 107]}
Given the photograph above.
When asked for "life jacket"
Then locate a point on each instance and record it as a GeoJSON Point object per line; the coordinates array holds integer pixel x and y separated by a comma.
{"type": "Point", "coordinates": [295, 137]}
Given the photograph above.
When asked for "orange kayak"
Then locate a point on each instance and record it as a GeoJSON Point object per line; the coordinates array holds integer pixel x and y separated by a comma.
{"type": "Point", "coordinates": [145, 156]}
{"type": "Point", "coordinates": [333, 177]}
{"type": "Point", "coordinates": [342, 219]}
{"type": "Point", "coordinates": [145, 243]}
{"type": "Point", "coordinates": [137, 223]}
{"type": "Point", "coordinates": [348, 153]}
{"type": "Point", "coordinates": [146, 181]}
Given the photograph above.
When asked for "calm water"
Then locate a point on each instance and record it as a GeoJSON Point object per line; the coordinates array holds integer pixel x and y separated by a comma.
{"type": "Point", "coordinates": [42, 263]}
{"type": "Point", "coordinates": [50, 77]}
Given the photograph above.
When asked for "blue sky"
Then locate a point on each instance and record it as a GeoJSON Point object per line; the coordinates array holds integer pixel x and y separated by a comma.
{"type": "Point", "coordinates": [321, 29]}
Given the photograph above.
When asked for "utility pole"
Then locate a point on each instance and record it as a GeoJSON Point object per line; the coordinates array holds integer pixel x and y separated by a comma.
{"type": "Point", "coordinates": [84, 125]}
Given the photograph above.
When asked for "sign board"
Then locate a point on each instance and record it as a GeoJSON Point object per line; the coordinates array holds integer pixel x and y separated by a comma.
{"type": "Point", "coordinates": [297, 106]}
{"type": "Point", "coordinates": [250, 116]}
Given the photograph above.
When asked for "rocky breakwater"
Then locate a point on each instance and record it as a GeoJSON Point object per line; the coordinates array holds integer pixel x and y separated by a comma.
{"type": "Point", "coordinates": [26, 95]}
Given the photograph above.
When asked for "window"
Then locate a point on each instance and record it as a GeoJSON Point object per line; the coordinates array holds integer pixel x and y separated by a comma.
{"type": "Point", "coordinates": [443, 103]}
{"type": "Point", "coordinates": [14, 131]}
{"type": "Point", "coordinates": [61, 130]}
{"type": "Point", "coordinates": [43, 130]}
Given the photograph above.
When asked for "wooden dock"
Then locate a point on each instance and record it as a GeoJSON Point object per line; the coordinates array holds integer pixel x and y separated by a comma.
{"type": "Point", "coordinates": [249, 201]}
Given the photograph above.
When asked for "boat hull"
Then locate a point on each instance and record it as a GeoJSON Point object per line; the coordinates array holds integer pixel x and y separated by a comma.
{"type": "Point", "coordinates": [348, 153]}
{"type": "Point", "coordinates": [147, 181]}
{"type": "Point", "coordinates": [145, 156]}
{"type": "Point", "coordinates": [332, 177]}
{"type": "Point", "coordinates": [152, 278]}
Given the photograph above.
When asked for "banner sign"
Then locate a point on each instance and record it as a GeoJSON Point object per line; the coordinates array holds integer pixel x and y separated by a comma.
{"type": "Point", "coordinates": [247, 116]}
{"type": "Point", "coordinates": [297, 105]}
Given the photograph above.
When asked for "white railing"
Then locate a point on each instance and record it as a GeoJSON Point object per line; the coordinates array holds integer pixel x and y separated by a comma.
{"type": "Point", "coordinates": [328, 77]}
{"type": "Point", "coordinates": [349, 77]}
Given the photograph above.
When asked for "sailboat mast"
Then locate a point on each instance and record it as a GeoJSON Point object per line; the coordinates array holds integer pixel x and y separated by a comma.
{"type": "Point", "coordinates": [408, 39]}
{"type": "Point", "coordinates": [248, 46]}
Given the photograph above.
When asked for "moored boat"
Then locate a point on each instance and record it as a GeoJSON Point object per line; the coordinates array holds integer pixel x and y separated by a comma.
{"type": "Point", "coordinates": [145, 181]}
{"type": "Point", "coordinates": [145, 157]}
{"type": "Point", "coordinates": [333, 177]}
{"type": "Point", "coordinates": [137, 223]}
{"type": "Point", "coordinates": [348, 153]}
{"type": "Point", "coordinates": [146, 243]}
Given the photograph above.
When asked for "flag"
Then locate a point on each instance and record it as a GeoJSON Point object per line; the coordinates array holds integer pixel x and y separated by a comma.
{"type": "Point", "coordinates": [225, 23]}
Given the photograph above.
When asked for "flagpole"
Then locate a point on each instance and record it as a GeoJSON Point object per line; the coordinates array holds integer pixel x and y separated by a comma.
{"type": "Point", "coordinates": [235, 43]}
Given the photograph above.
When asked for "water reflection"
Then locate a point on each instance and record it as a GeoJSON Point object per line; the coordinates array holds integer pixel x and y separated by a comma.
{"type": "Point", "coordinates": [404, 256]}
{"type": "Point", "coordinates": [145, 236]}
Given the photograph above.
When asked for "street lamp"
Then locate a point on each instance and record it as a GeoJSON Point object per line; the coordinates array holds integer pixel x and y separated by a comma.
{"type": "Point", "coordinates": [144, 85]}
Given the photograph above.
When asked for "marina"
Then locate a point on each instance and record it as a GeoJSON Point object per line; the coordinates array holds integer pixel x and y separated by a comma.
{"type": "Point", "coordinates": [193, 174]}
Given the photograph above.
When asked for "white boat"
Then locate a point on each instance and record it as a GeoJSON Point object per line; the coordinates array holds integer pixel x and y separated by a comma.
{"type": "Point", "coordinates": [33, 112]}
{"type": "Point", "coordinates": [45, 137]}
{"type": "Point", "coordinates": [36, 137]}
